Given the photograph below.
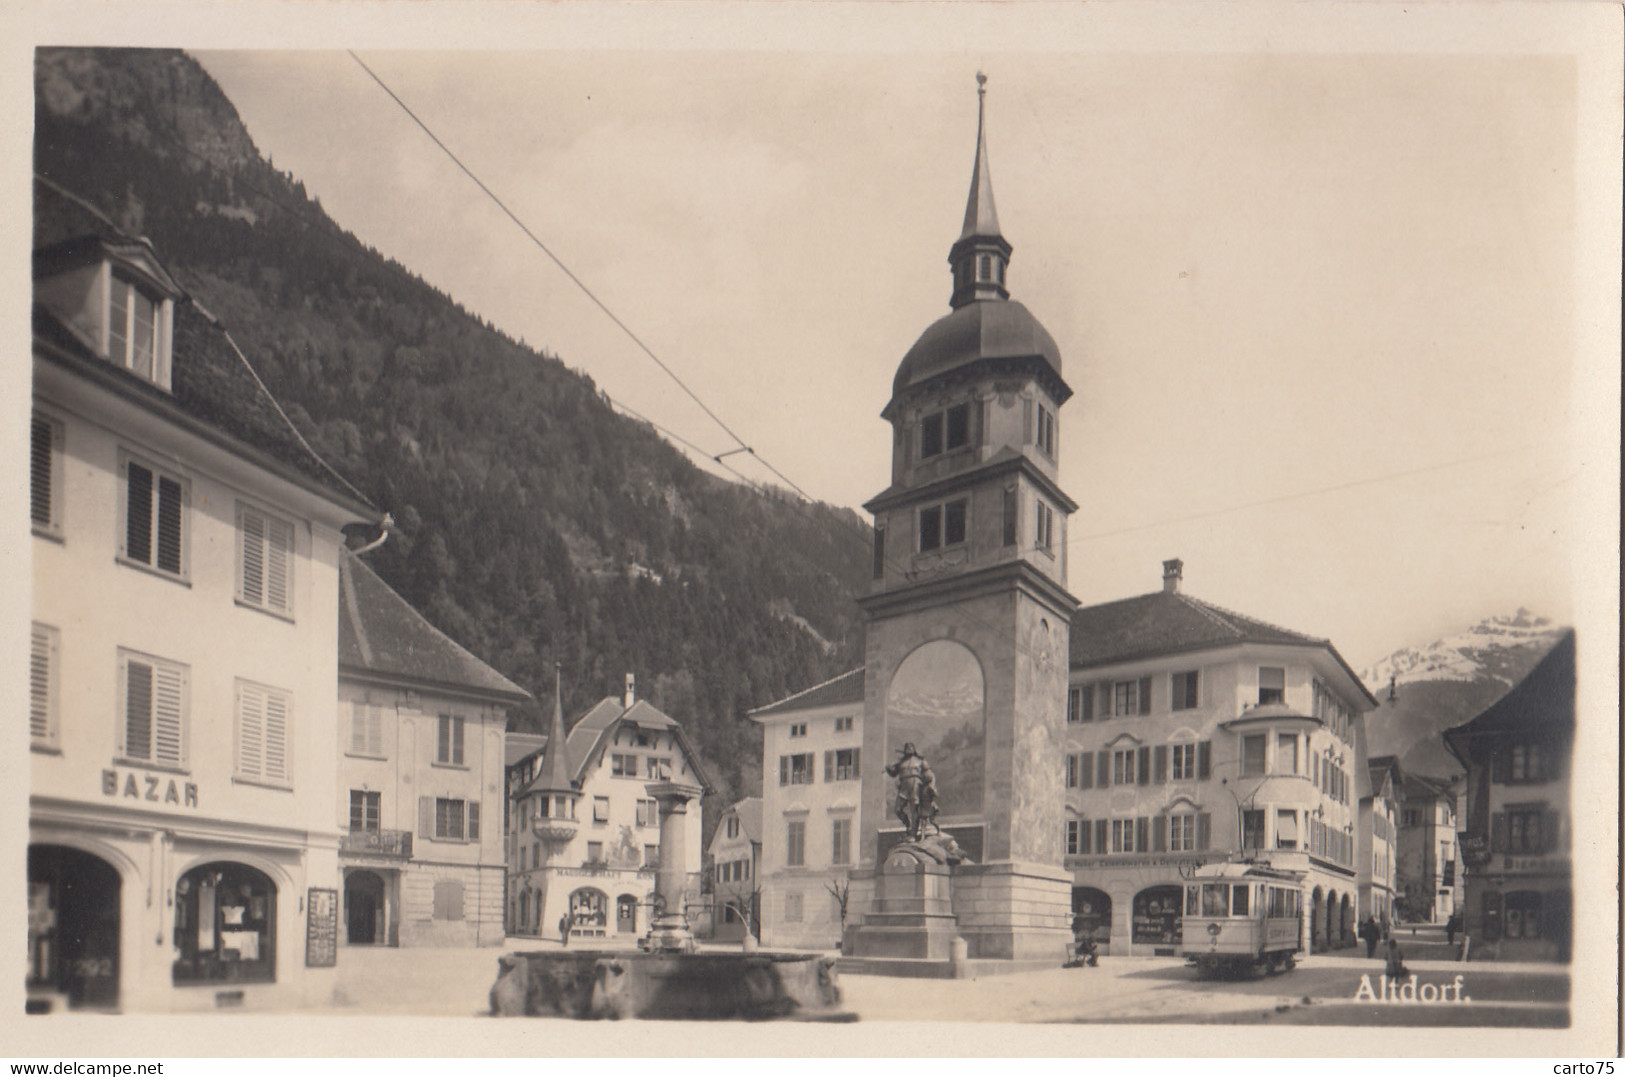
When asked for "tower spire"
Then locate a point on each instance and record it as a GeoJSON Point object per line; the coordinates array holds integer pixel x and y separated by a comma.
{"type": "Point", "coordinates": [980, 255]}
{"type": "Point", "coordinates": [556, 770]}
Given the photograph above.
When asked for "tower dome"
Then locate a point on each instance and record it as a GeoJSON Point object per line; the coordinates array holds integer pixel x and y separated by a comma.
{"type": "Point", "coordinates": [985, 329]}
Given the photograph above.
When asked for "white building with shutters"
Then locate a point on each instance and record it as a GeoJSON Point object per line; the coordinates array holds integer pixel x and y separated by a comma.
{"type": "Point", "coordinates": [1197, 734]}
{"type": "Point", "coordinates": [420, 761]}
{"type": "Point", "coordinates": [182, 848]}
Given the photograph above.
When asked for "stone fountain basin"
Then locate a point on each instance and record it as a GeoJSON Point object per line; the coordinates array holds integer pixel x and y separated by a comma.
{"type": "Point", "coordinates": [613, 984]}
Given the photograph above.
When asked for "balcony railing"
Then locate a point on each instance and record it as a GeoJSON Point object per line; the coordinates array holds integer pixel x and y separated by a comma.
{"type": "Point", "coordinates": [390, 843]}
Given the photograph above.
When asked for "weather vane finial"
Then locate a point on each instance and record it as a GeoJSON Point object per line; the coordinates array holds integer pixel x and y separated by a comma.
{"type": "Point", "coordinates": [981, 83]}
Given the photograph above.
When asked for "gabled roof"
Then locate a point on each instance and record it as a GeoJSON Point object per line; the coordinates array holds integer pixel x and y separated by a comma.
{"type": "Point", "coordinates": [1419, 788]}
{"type": "Point", "coordinates": [1383, 768]}
{"type": "Point", "coordinates": [1170, 622]}
{"type": "Point", "coordinates": [517, 746]}
{"type": "Point", "coordinates": [381, 637]}
{"type": "Point", "coordinates": [596, 730]}
{"type": "Point", "coordinates": [1542, 704]}
{"type": "Point", "coordinates": [844, 689]}
{"type": "Point", "coordinates": [213, 387]}
{"type": "Point", "coordinates": [749, 811]}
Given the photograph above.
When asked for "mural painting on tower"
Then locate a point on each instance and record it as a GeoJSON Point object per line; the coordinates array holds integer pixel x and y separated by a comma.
{"type": "Point", "coordinates": [936, 702]}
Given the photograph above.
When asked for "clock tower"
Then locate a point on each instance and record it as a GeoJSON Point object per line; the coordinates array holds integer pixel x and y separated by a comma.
{"type": "Point", "coordinates": [968, 613]}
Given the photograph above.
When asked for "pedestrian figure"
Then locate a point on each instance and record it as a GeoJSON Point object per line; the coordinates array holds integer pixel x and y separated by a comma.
{"type": "Point", "coordinates": [1451, 926]}
{"type": "Point", "coordinates": [1396, 969]}
{"type": "Point", "coordinates": [1371, 933]}
{"type": "Point", "coordinates": [564, 929]}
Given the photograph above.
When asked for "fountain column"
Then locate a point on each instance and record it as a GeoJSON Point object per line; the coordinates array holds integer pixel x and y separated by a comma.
{"type": "Point", "coordinates": [669, 931]}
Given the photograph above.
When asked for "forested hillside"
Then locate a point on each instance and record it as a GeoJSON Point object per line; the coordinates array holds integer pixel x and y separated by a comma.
{"type": "Point", "coordinates": [535, 524]}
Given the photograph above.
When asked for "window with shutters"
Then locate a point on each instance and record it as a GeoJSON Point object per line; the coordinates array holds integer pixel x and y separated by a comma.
{"type": "Point", "coordinates": [45, 476]}
{"type": "Point", "coordinates": [1122, 835]}
{"type": "Point", "coordinates": [795, 843]}
{"type": "Point", "coordinates": [449, 743]}
{"type": "Point", "coordinates": [1123, 767]}
{"type": "Point", "coordinates": [840, 841]}
{"type": "Point", "coordinates": [1075, 829]}
{"type": "Point", "coordinates": [1524, 829]}
{"type": "Point", "coordinates": [449, 819]}
{"type": "Point", "coordinates": [1182, 832]}
{"type": "Point", "coordinates": [841, 765]}
{"type": "Point", "coordinates": [153, 708]}
{"type": "Point", "coordinates": [1184, 691]}
{"type": "Point", "coordinates": [44, 676]}
{"type": "Point", "coordinates": [1130, 697]}
{"type": "Point", "coordinates": [1182, 762]}
{"type": "Point", "coordinates": [264, 728]}
{"type": "Point", "coordinates": [365, 810]}
{"type": "Point", "coordinates": [1525, 763]}
{"type": "Point", "coordinates": [367, 730]}
{"type": "Point", "coordinates": [796, 769]}
{"type": "Point", "coordinates": [1078, 700]}
{"type": "Point", "coordinates": [154, 509]}
{"type": "Point", "coordinates": [264, 561]}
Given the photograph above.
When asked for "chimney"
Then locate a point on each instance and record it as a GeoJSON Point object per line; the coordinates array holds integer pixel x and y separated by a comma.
{"type": "Point", "coordinates": [1172, 572]}
{"type": "Point", "coordinates": [631, 693]}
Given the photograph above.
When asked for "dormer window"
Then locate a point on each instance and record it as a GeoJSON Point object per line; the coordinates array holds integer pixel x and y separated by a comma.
{"type": "Point", "coordinates": [132, 328]}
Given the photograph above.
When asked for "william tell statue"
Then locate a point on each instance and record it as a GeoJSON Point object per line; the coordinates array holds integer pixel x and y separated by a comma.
{"type": "Point", "coordinates": [916, 804]}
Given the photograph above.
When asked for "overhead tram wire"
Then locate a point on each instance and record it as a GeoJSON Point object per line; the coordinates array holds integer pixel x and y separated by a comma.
{"type": "Point", "coordinates": [577, 281]}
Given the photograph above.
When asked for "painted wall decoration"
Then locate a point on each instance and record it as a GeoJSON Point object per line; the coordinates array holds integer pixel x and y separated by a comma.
{"type": "Point", "coordinates": [937, 702]}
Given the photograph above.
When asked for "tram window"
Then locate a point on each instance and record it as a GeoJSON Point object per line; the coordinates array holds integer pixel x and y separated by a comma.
{"type": "Point", "coordinates": [1238, 899]}
{"type": "Point", "coordinates": [1215, 899]}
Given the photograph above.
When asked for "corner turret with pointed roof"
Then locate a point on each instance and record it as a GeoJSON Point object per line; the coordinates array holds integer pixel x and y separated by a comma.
{"type": "Point", "coordinates": [556, 772]}
{"type": "Point", "coordinates": [981, 254]}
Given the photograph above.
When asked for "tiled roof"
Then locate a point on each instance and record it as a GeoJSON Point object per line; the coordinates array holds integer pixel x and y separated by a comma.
{"type": "Point", "coordinates": [516, 746]}
{"type": "Point", "coordinates": [749, 811]}
{"type": "Point", "coordinates": [1543, 702]}
{"type": "Point", "coordinates": [211, 382]}
{"type": "Point", "coordinates": [845, 689]}
{"type": "Point", "coordinates": [1419, 788]}
{"type": "Point", "coordinates": [382, 635]}
{"type": "Point", "coordinates": [589, 736]}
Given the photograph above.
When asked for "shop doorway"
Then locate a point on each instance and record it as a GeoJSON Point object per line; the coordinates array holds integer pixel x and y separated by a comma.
{"type": "Point", "coordinates": [1158, 912]}
{"type": "Point", "coordinates": [626, 914]}
{"type": "Point", "coordinates": [363, 908]}
{"type": "Point", "coordinates": [1092, 916]}
{"type": "Point", "coordinates": [225, 925]}
{"type": "Point", "coordinates": [73, 926]}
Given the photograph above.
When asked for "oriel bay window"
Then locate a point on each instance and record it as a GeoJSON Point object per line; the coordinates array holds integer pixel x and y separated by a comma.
{"type": "Point", "coordinates": [225, 925]}
{"type": "Point", "coordinates": [943, 525]}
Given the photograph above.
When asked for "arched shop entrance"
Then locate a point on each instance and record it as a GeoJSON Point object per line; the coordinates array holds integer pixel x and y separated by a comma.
{"type": "Point", "coordinates": [73, 926]}
{"type": "Point", "coordinates": [1092, 915]}
{"type": "Point", "coordinates": [225, 925]}
{"type": "Point", "coordinates": [363, 908]}
{"type": "Point", "coordinates": [1157, 913]}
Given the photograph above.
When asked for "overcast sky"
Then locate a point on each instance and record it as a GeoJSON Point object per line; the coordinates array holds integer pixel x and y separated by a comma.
{"type": "Point", "coordinates": [1317, 284]}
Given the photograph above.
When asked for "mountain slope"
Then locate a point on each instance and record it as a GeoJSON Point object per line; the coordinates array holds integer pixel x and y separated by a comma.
{"type": "Point", "coordinates": [1448, 682]}
{"type": "Point", "coordinates": [535, 525]}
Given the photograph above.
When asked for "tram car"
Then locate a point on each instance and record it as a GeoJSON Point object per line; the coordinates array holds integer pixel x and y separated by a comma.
{"type": "Point", "coordinates": [1242, 917]}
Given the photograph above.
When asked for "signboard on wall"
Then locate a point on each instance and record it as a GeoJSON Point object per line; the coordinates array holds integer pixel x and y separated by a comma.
{"type": "Point", "coordinates": [321, 928]}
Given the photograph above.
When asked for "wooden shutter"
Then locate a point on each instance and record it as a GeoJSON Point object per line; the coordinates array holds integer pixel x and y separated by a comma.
{"type": "Point", "coordinates": [1085, 832]}
{"type": "Point", "coordinates": [276, 735]}
{"type": "Point", "coordinates": [138, 513]}
{"type": "Point", "coordinates": [829, 765]}
{"type": "Point", "coordinates": [1204, 830]}
{"type": "Point", "coordinates": [473, 820]}
{"type": "Point", "coordinates": [1105, 769]}
{"type": "Point", "coordinates": [42, 679]}
{"type": "Point", "coordinates": [784, 770]}
{"type": "Point", "coordinates": [1072, 771]}
{"type": "Point", "coordinates": [1159, 765]}
{"type": "Point", "coordinates": [45, 454]}
{"type": "Point", "coordinates": [1159, 834]}
{"type": "Point", "coordinates": [251, 551]}
{"type": "Point", "coordinates": [1086, 770]}
{"type": "Point", "coordinates": [1498, 832]}
{"type": "Point", "coordinates": [1142, 827]}
{"type": "Point", "coordinates": [279, 565]}
{"type": "Point", "coordinates": [170, 497]}
{"type": "Point", "coordinates": [856, 753]}
{"type": "Point", "coordinates": [1102, 841]}
{"type": "Point", "coordinates": [1204, 760]}
{"type": "Point", "coordinates": [1105, 708]}
{"type": "Point", "coordinates": [1142, 767]}
{"type": "Point", "coordinates": [168, 715]}
{"type": "Point", "coordinates": [250, 730]}
{"type": "Point", "coordinates": [1145, 695]}
{"type": "Point", "coordinates": [1088, 693]}
{"type": "Point", "coordinates": [425, 817]}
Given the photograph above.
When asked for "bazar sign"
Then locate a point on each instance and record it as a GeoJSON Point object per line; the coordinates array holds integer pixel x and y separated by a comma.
{"type": "Point", "coordinates": [141, 785]}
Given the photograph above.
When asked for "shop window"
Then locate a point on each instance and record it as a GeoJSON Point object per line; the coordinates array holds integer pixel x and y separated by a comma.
{"type": "Point", "coordinates": [155, 523]}
{"type": "Point", "coordinates": [589, 911]}
{"type": "Point", "coordinates": [1490, 906]}
{"type": "Point", "coordinates": [1157, 916]}
{"type": "Point", "coordinates": [225, 926]}
{"type": "Point", "coordinates": [44, 676]}
{"type": "Point", "coordinates": [45, 475]}
{"type": "Point", "coordinates": [1091, 914]}
{"type": "Point", "coordinates": [1271, 685]}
